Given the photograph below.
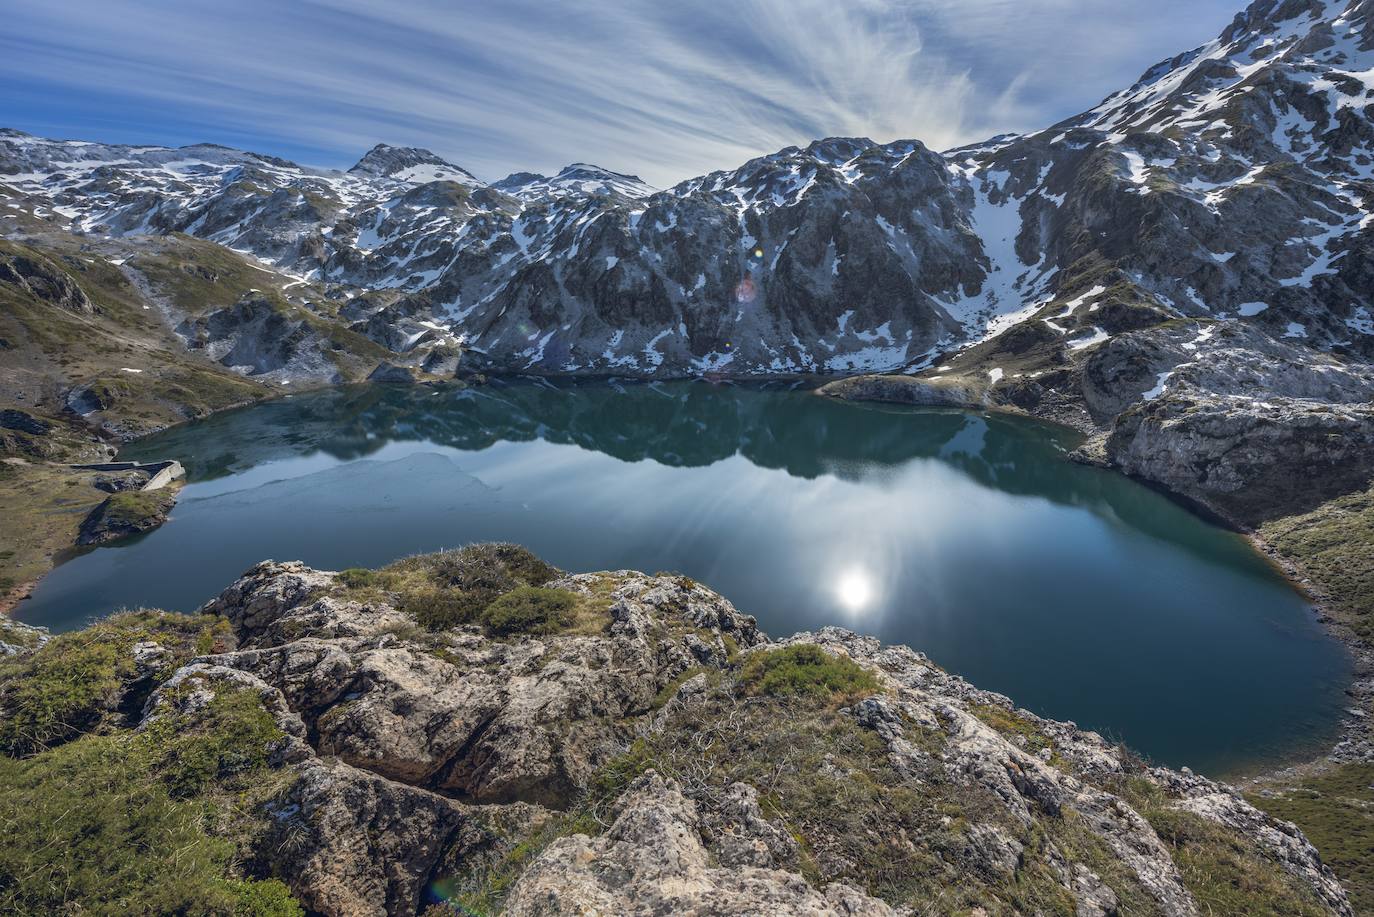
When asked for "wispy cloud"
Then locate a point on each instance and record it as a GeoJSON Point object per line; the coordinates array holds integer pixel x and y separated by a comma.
{"type": "Point", "coordinates": [664, 90]}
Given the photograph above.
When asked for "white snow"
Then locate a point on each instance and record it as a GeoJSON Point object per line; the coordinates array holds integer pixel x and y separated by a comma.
{"type": "Point", "coordinates": [1248, 309]}
{"type": "Point", "coordinates": [1158, 390]}
{"type": "Point", "coordinates": [995, 374]}
{"type": "Point", "coordinates": [1097, 337]}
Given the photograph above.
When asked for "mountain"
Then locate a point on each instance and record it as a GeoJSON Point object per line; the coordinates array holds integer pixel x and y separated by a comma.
{"type": "Point", "coordinates": [1203, 237]}
{"type": "Point", "coordinates": [578, 178]}
{"type": "Point", "coordinates": [1229, 182]}
{"type": "Point", "coordinates": [410, 164]}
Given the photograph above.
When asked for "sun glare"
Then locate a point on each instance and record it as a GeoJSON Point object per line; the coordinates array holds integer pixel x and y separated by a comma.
{"type": "Point", "coordinates": [854, 589]}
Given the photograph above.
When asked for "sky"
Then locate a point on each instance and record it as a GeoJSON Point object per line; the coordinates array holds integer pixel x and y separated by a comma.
{"type": "Point", "coordinates": [664, 90]}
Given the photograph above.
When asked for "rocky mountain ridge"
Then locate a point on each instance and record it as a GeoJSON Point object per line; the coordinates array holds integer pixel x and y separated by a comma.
{"type": "Point", "coordinates": [1230, 182]}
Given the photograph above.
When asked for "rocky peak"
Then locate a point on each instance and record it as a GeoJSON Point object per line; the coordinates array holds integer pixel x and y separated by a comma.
{"type": "Point", "coordinates": [410, 164]}
{"type": "Point", "coordinates": [579, 179]}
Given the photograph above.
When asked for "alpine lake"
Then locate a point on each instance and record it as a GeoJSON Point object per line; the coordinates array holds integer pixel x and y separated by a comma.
{"type": "Point", "coordinates": [971, 537]}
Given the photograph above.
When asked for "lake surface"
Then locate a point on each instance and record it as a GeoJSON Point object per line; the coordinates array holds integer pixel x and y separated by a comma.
{"type": "Point", "coordinates": [1077, 592]}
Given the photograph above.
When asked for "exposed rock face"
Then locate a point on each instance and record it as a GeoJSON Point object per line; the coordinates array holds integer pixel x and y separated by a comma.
{"type": "Point", "coordinates": [16, 637]}
{"type": "Point", "coordinates": [653, 861]}
{"type": "Point", "coordinates": [257, 337]}
{"type": "Point", "coordinates": [1248, 458]}
{"type": "Point", "coordinates": [415, 763]}
{"type": "Point", "coordinates": [390, 372]}
{"type": "Point", "coordinates": [33, 276]}
{"type": "Point", "coordinates": [410, 164]}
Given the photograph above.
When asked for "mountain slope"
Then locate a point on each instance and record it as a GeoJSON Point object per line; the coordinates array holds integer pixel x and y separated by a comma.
{"type": "Point", "coordinates": [1193, 185]}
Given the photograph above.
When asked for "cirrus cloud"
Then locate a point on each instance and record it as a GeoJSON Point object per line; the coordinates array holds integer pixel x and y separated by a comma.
{"type": "Point", "coordinates": [662, 90]}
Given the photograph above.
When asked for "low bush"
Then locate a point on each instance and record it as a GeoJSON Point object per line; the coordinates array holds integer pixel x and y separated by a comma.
{"type": "Point", "coordinates": [362, 578]}
{"type": "Point", "coordinates": [805, 670]}
{"type": "Point", "coordinates": [530, 610]}
{"type": "Point", "coordinates": [440, 609]}
{"type": "Point", "coordinates": [451, 588]}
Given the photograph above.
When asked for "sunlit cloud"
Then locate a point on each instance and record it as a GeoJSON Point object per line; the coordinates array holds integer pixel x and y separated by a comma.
{"type": "Point", "coordinates": [663, 90]}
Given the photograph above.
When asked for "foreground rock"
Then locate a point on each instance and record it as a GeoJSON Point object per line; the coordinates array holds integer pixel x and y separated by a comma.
{"type": "Point", "coordinates": [622, 743]}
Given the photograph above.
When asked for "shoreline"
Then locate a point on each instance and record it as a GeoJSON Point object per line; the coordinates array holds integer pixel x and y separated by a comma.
{"type": "Point", "coordinates": [1361, 652]}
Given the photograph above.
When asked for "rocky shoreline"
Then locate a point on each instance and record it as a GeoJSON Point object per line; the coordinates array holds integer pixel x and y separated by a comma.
{"type": "Point", "coordinates": [477, 728]}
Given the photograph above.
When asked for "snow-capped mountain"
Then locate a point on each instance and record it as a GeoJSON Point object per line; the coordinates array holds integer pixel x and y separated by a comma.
{"type": "Point", "coordinates": [579, 178]}
{"type": "Point", "coordinates": [1232, 181]}
{"type": "Point", "coordinates": [410, 164]}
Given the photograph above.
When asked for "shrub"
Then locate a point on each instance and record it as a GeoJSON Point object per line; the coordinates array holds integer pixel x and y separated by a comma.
{"type": "Point", "coordinates": [360, 578]}
{"type": "Point", "coordinates": [805, 670]}
{"type": "Point", "coordinates": [264, 898]}
{"type": "Point", "coordinates": [530, 610]}
{"type": "Point", "coordinates": [440, 609]}
{"type": "Point", "coordinates": [490, 568]}
{"type": "Point", "coordinates": [453, 587]}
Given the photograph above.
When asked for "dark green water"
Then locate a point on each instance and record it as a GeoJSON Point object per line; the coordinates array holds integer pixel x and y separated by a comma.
{"type": "Point", "coordinates": [1080, 594]}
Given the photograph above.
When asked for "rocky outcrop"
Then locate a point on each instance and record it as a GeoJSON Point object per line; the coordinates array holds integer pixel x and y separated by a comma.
{"type": "Point", "coordinates": [1247, 426]}
{"type": "Point", "coordinates": [597, 768]}
{"type": "Point", "coordinates": [16, 637]}
{"type": "Point", "coordinates": [36, 278]}
{"type": "Point", "coordinates": [927, 392]}
{"type": "Point", "coordinates": [126, 513]}
{"type": "Point", "coordinates": [1246, 458]}
{"type": "Point", "coordinates": [652, 861]}
{"type": "Point", "coordinates": [259, 336]}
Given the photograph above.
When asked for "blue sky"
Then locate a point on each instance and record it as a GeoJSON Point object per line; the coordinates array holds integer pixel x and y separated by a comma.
{"type": "Point", "coordinates": [665, 90]}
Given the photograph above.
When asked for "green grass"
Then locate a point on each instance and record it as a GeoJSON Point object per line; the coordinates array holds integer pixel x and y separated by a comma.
{"type": "Point", "coordinates": [1334, 546]}
{"type": "Point", "coordinates": [1225, 872]}
{"type": "Point", "coordinates": [72, 684]}
{"type": "Point", "coordinates": [804, 670]}
{"type": "Point", "coordinates": [42, 507]}
{"type": "Point", "coordinates": [1335, 809]}
{"type": "Point", "coordinates": [118, 823]}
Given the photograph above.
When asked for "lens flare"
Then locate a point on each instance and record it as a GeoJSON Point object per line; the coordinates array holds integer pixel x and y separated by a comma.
{"type": "Point", "coordinates": [745, 291]}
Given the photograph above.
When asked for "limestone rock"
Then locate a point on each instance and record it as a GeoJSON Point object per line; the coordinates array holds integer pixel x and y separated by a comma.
{"type": "Point", "coordinates": [652, 861]}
